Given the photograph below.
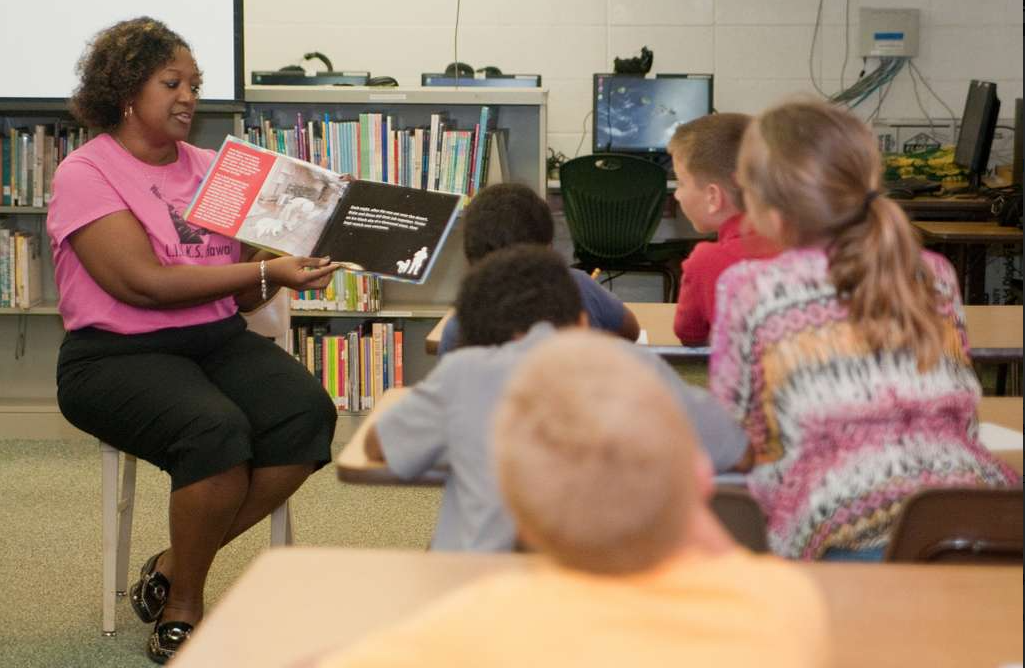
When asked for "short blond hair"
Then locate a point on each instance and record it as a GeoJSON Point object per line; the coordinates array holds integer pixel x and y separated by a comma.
{"type": "Point", "coordinates": [709, 147]}
{"type": "Point", "coordinates": [595, 456]}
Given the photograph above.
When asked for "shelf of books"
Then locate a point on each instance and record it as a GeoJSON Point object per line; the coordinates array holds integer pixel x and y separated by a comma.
{"type": "Point", "coordinates": [451, 140]}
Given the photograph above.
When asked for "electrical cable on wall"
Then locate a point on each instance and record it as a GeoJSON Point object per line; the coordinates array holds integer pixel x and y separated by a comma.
{"type": "Point", "coordinates": [455, 42]}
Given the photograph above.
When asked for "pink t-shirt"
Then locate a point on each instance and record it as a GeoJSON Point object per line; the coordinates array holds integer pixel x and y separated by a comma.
{"type": "Point", "coordinates": [100, 178]}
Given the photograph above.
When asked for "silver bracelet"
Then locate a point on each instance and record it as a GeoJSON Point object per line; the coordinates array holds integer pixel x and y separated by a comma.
{"type": "Point", "coordinates": [263, 280]}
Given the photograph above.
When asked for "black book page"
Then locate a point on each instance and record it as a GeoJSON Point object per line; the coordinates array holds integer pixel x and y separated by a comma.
{"type": "Point", "coordinates": [389, 230]}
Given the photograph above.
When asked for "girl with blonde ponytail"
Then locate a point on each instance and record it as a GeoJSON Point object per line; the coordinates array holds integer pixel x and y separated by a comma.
{"type": "Point", "coordinates": [845, 357]}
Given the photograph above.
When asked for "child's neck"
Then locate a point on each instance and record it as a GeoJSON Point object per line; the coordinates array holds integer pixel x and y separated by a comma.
{"type": "Point", "coordinates": [724, 216]}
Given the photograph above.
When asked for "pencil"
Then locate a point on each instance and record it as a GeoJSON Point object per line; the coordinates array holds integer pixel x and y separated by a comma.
{"type": "Point", "coordinates": [596, 273]}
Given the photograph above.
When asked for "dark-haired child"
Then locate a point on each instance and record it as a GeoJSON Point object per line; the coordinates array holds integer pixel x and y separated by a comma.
{"type": "Point", "coordinates": [509, 213]}
{"type": "Point", "coordinates": [508, 303]}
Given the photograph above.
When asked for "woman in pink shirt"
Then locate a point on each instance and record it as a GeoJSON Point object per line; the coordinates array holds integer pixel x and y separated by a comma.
{"type": "Point", "coordinates": [157, 361]}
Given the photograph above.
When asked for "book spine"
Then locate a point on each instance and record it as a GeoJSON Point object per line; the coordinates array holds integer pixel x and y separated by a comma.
{"type": "Point", "coordinates": [432, 157]}
{"type": "Point", "coordinates": [389, 355]}
{"type": "Point", "coordinates": [352, 386]}
{"type": "Point", "coordinates": [5, 170]}
{"type": "Point", "coordinates": [377, 331]}
{"type": "Point", "coordinates": [24, 169]}
{"type": "Point", "coordinates": [398, 355]}
{"type": "Point", "coordinates": [386, 152]}
{"type": "Point", "coordinates": [343, 373]}
{"type": "Point", "coordinates": [38, 141]}
{"type": "Point", "coordinates": [486, 159]}
{"type": "Point", "coordinates": [474, 148]}
{"type": "Point", "coordinates": [480, 148]}
{"type": "Point", "coordinates": [325, 148]}
{"type": "Point", "coordinates": [5, 298]}
{"type": "Point", "coordinates": [13, 136]}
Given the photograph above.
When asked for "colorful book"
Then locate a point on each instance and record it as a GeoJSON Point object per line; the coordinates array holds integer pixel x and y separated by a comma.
{"type": "Point", "coordinates": [290, 206]}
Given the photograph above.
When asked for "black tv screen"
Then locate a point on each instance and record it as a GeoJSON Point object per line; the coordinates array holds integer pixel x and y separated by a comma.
{"type": "Point", "coordinates": [633, 114]}
{"type": "Point", "coordinates": [978, 123]}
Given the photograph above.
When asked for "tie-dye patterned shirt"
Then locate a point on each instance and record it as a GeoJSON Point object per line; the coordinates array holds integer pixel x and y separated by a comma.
{"type": "Point", "coordinates": [841, 433]}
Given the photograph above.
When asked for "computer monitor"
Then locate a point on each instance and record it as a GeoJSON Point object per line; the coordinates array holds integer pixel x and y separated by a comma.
{"type": "Point", "coordinates": [978, 123]}
{"type": "Point", "coordinates": [493, 81]}
{"type": "Point", "coordinates": [633, 114]}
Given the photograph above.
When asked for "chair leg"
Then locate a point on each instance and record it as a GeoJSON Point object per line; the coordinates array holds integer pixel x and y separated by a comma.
{"type": "Point", "coordinates": [110, 461]}
{"type": "Point", "coordinates": [281, 525]}
{"type": "Point", "coordinates": [125, 510]}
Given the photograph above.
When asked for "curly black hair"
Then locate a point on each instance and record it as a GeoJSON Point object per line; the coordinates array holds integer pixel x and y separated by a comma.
{"type": "Point", "coordinates": [511, 289]}
{"type": "Point", "coordinates": [502, 215]}
{"type": "Point", "coordinates": [117, 64]}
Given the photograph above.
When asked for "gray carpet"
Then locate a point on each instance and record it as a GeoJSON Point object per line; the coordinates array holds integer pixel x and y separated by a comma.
{"type": "Point", "coordinates": [50, 575]}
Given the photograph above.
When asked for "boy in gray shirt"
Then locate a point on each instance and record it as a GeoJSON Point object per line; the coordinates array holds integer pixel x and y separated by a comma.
{"type": "Point", "coordinates": [507, 304]}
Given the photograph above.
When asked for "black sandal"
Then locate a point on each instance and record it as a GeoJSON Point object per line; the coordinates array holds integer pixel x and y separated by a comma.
{"type": "Point", "coordinates": [166, 640]}
{"type": "Point", "coordinates": [149, 594]}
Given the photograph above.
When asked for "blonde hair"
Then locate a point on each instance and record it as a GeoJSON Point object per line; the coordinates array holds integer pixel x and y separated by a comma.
{"type": "Point", "coordinates": [818, 166]}
{"type": "Point", "coordinates": [595, 457]}
{"type": "Point", "coordinates": [708, 146]}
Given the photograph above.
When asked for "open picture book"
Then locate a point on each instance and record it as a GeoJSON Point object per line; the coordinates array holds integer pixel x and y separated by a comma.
{"type": "Point", "coordinates": [292, 207]}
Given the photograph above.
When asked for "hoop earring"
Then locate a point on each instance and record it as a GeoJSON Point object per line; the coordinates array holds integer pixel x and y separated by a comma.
{"type": "Point", "coordinates": [129, 110]}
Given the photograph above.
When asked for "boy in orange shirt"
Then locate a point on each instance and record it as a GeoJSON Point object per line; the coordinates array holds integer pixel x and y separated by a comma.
{"type": "Point", "coordinates": [704, 155]}
{"type": "Point", "coordinates": [604, 476]}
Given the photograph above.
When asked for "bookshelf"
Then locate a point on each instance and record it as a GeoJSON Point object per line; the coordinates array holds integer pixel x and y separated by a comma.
{"type": "Point", "coordinates": [27, 387]}
{"type": "Point", "coordinates": [522, 112]}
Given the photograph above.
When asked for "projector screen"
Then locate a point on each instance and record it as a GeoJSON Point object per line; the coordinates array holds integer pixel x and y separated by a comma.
{"type": "Point", "coordinates": [41, 41]}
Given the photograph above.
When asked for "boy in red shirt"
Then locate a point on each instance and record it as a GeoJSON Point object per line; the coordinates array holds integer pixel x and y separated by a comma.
{"type": "Point", "coordinates": [704, 155]}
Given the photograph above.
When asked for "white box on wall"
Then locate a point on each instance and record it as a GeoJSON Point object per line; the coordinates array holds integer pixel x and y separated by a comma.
{"type": "Point", "coordinates": [889, 33]}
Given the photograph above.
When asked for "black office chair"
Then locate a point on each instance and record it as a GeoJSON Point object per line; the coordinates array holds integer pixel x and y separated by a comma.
{"type": "Point", "coordinates": [959, 525]}
{"type": "Point", "coordinates": [613, 204]}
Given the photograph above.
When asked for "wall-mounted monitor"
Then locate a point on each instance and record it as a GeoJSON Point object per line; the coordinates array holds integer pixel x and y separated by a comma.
{"type": "Point", "coordinates": [41, 42]}
{"type": "Point", "coordinates": [633, 114]}
{"type": "Point", "coordinates": [493, 81]}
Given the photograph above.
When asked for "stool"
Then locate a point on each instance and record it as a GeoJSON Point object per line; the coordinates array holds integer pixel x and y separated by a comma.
{"type": "Point", "coordinates": [117, 528]}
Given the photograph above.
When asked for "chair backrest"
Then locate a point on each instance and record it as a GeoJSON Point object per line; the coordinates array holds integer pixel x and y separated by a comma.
{"type": "Point", "coordinates": [959, 525]}
{"type": "Point", "coordinates": [742, 517]}
{"type": "Point", "coordinates": [613, 203]}
{"type": "Point", "coordinates": [272, 318]}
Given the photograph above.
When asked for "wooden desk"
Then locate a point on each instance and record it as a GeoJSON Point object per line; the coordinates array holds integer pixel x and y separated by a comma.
{"type": "Point", "coordinates": [994, 332]}
{"type": "Point", "coordinates": [656, 319]}
{"type": "Point", "coordinates": [967, 232]}
{"type": "Point", "coordinates": [1004, 411]}
{"type": "Point", "coordinates": [937, 207]}
{"type": "Point", "coordinates": [298, 602]}
{"type": "Point", "coordinates": [957, 240]}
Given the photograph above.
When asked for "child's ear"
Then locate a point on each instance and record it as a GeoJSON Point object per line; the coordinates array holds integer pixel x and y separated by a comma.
{"type": "Point", "coordinates": [583, 320]}
{"type": "Point", "coordinates": [777, 227]}
{"type": "Point", "coordinates": [715, 198]}
{"type": "Point", "coordinates": [704, 475]}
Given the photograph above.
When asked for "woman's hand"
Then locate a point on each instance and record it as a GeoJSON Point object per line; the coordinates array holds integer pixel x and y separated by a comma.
{"type": "Point", "coordinates": [301, 273]}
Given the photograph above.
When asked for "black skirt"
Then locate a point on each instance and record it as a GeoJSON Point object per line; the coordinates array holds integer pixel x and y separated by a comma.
{"type": "Point", "coordinates": [195, 401]}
